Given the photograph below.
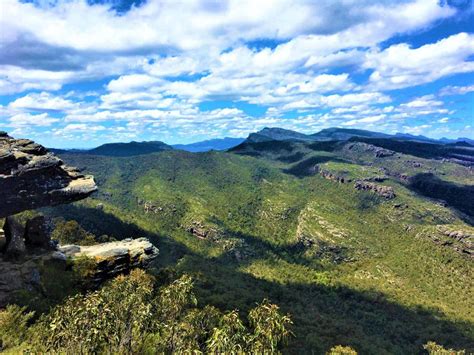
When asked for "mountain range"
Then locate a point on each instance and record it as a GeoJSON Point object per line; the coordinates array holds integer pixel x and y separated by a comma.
{"type": "Point", "coordinates": [266, 134]}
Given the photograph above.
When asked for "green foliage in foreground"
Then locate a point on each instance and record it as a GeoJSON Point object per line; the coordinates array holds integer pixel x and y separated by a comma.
{"type": "Point", "coordinates": [132, 315]}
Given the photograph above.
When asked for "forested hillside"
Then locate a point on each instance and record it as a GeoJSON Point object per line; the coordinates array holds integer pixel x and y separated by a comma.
{"type": "Point", "coordinates": [362, 245]}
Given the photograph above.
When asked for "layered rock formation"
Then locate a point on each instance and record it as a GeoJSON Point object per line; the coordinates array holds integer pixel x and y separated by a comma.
{"type": "Point", "coordinates": [114, 258]}
{"type": "Point", "coordinates": [109, 260]}
{"type": "Point", "coordinates": [361, 147]}
{"type": "Point", "coordinates": [31, 177]}
{"type": "Point", "coordinates": [381, 190]}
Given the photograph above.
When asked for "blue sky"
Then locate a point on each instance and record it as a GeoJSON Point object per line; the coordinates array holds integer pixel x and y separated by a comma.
{"type": "Point", "coordinates": [76, 73]}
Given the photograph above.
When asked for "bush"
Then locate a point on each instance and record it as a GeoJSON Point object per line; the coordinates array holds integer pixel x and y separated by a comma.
{"type": "Point", "coordinates": [14, 321]}
{"type": "Point", "coordinates": [341, 350]}
{"type": "Point", "coordinates": [434, 349]}
{"type": "Point", "coordinates": [113, 319]}
{"type": "Point", "coordinates": [129, 316]}
{"type": "Point", "coordinates": [70, 232]}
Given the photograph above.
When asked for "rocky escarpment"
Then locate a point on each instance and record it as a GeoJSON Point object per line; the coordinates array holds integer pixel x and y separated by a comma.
{"type": "Point", "coordinates": [31, 177]}
{"type": "Point", "coordinates": [381, 190]}
{"type": "Point", "coordinates": [361, 147]}
{"type": "Point", "coordinates": [461, 241]}
{"type": "Point", "coordinates": [111, 259]}
{"type": "Point", "coordinates": [107, 260]}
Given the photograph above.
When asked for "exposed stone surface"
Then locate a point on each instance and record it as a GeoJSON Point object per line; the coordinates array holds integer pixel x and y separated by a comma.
{"type": "Point", "coordinates": [115, 257]}
{"type": "Point", "coordinates": [331, 176]}
{"type": "Point", "coordinates": [30, 178]}
{"type": "Point", "coordinates": [381, 190]}
{"type": "Point", "coordinates": [38, 232]}
{"type": "Point", "coordinates": [110, 258]}
{"type": "Point", "coordinates": [365, 147]}
{"type": "Point", "coordinates": [460, 241]}
{"type": "Point", "coordinates": [14, 232]}
{"type": "Point", "coordinates": [203, 232]}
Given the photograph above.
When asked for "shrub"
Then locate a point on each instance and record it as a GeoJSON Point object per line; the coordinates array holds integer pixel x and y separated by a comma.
{"type": "Point", "coordinates": [341, 350]}
{"type": "Point", "coordinates": [270, 328]}
{"type": "Point", "coordinates": [128, 315]}
{"type": "Point", "coordinates": [434, 349]}
{"type": "Point", "coordinates": [113, 319]}
{"type": "Point", "coordinates": [14, 321]}
{"type": "Point", "coordinates": [70, 232]}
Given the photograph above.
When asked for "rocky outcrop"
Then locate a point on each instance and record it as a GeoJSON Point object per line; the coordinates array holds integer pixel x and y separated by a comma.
{"type": "Point", "coordinates": [333, 177]}
{"type": "Point", "coordinates": [114, 258]}
{"type": "Point", "coordinates": [201, 231]}
{"type": "Point", "coordinates": [14, 238]}
{"type": "Point", "coordinates": [38, 232]}
{"type": "Point", "coordinates": [108, 260]}
{"type": "Point", "coordinates": [361, 147]}
{"type": "Point", "coordinates": [461, 241]}
{"type": "Point", "coordinates": [31, 177]}
{"type": "Point", "coordinates": [381, 190]}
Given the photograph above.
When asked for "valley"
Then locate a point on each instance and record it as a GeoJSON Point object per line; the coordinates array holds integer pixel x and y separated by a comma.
{"type": "Point", "coordinates": [360, 242]}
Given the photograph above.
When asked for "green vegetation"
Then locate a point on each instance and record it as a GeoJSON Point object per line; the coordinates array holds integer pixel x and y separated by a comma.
{"type": "Point", "coordinates": [349, 266]}
{"type": "Point", "coordinates": [131, 315]}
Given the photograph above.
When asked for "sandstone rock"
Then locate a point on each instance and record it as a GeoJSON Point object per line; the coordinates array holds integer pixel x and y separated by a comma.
{"type": "Point", "coordinates": [381, 190]}
{"type": "Point", "coordinates": [15, 245]}
{"type": "Point", "coordinates": [110, 259]}
{"type": "Point", "coordinates": [331, 176]}
{"type": "Point", "coordinates": [203, 232]}
{"type": "Point", "coordinates": [38, 232]}
{"type": "Point", "coordinates": [30, 178]}
{"type": "Point", "coordinates": [361, 147]}
{"type": "Point", "coordinates": [115, 257]}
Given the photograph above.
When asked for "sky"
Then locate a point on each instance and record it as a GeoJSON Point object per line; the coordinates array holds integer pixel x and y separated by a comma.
{"type": "Point", "coordinates": [77, 73]}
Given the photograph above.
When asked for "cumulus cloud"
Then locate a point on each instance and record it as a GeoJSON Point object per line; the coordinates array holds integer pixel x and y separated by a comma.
{"type": "Point", "coordinates": [43, 101]}
{"type": "Point", "coordinates": [27, 119]}
{"type": "Point", "coordinates": [456, 90]}
{"type": "Point", "coordinates": [401, 66]}
{"type": "Point", "coordinates": [156, 65]}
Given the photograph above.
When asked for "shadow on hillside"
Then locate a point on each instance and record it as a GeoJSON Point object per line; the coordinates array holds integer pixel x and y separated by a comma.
{"type": "Point", "coordinates": [323, 315]}
{"type": "Point", "coordinates": [328, 315]}
{"type": "Point", "coordinates": [460, 197]}
{"type": "Point", "coordinates": [293, 158]}
{"type": "Point", "coordinates": [307, 167]}
{"type": "Point", "coordinates": [98, 222]}
{"type": "Point", "coordinates": [422, 149]}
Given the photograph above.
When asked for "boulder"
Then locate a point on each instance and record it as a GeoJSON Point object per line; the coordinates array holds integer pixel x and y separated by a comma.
{"type": "Point", "coordinates": [110, 259]}
{"type": "Point", "coordinates": [15, 245]}
{"type": "Point", "coordinates": [381, 190]}
{"type": "Point", "coordinates": [114, 258]}
{"type": "Point", "coordinates": [31, 177]}
{"type": "Point", "coordinates": [38, 232]}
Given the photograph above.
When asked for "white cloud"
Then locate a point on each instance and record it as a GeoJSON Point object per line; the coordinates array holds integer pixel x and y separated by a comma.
{"type": "Point", "coordinates": [194, 24]}
{"type": "Point", "coordinates": [400, 66]}
{"type": "Point", "coordinates": [423, 102]}
{"type": "Point", "coordinates": [42, 102]}
{"type": "Point", "coordinates": [370, 119]}
{"type": "Point", "coordinates": [127, 83]}
{"type": "Point", "coordinates": [456, 90]}
{"type": "Point", "coordinates": [165, 58]}
{"type": "Point", "coordinates": [27, 119]}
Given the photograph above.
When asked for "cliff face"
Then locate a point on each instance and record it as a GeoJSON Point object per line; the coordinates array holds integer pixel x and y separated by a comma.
{"type": "Point", "coordinates": [31, 177]}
